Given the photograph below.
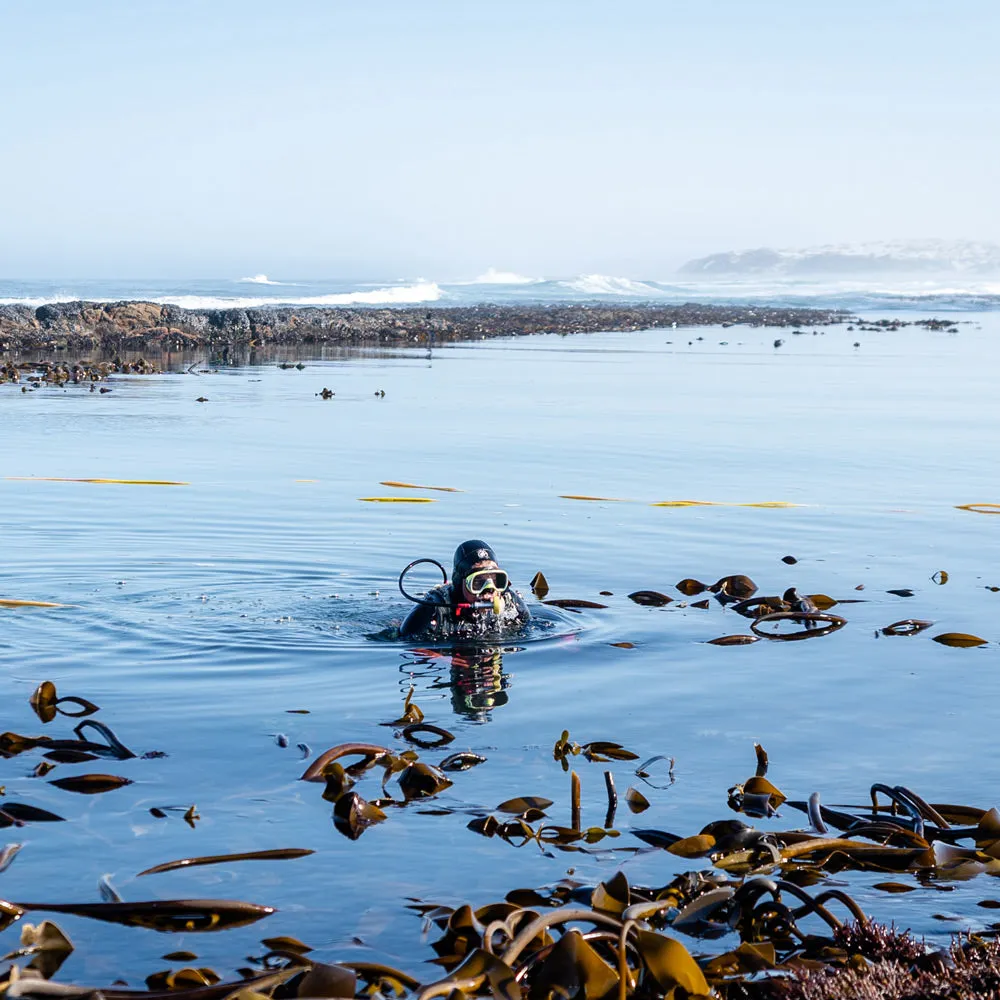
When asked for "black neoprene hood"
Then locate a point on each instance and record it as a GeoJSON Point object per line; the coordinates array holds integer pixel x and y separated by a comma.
{"type": "Point", "coordinates": [466, 556]}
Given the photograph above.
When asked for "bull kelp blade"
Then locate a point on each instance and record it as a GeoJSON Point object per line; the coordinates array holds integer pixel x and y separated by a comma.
{"type": "Point", "coordinates": [539, 585]}
{"type": "Point", "coordinates": [117, 482]}
{"type": "Point", "coordinates": [397, 500]}
{"type": "Point", "coordinates": [759, 785]}
{"type": "Point", "coordinates": [908, 626]}
{"type": "Point", "coordinates": [733, 640]}
{"type": "Point", "coordinates": [580, 496]}
{"type": "Point", "coordinates": [823, 602]}
{"type": "Point", "coordinates": [958, 639]}
{"type": "Point", "coordinates": [719, 503]}
{"type": "Point", "coordinates": [698, 846]}
{"type": "Point", "coordinates": [169, 915]}
{"type": "Point", "coordinates": [979, 508]}
{"type": "Point", "coordinates": [574, 960]}
{"type": "Point", "coordinates": [412, 486]}
{"type": "Point", "coordinates": [91, 784]}
{"type": "Point", "coordinates": [49, 946]}
{"type": "Point", "coordinates": [478, 969]}
{"type": "Point", "coordinates": [325, 980]}
{"type": "Point", "coordinates": [523, 803]}
{"type": "Point", "coordinates": [281, 854]}
{"type": "Point", "coordinates": [637, 802]}
{"type": "Point", "coordinates": [29, 814]}
{"type": "Point", "coordinates": [9, 602]}
{"type": "Point", "coordinates": [671, 964]}
{"type": "Point", "coordinates": [685, 503]}
{"type": "Point", "coordinates": [649, 598]}
{"type": "Point", "coordinates": [572, 603]}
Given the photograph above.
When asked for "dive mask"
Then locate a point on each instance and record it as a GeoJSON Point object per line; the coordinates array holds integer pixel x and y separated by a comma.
{"type": "Point", "coordinates": [486, 579]}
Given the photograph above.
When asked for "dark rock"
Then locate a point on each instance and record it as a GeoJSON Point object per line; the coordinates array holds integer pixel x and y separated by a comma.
{"type": "Point", "coordinates": [115, 326]}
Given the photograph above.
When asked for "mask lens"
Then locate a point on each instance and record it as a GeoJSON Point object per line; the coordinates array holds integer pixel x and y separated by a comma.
{"type": "Point", "coordinates": [485, 579]}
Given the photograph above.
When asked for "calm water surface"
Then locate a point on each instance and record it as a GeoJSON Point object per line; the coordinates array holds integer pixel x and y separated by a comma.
{"type": "Point", "coordinates": [204, 614]}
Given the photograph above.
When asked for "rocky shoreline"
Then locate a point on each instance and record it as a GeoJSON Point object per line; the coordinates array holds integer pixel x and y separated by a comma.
{"type": "Point", "coordinates": [148, 326]}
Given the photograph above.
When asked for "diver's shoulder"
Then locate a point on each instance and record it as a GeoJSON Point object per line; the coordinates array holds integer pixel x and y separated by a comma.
{"type": "Point", "coordinates": [517, 601]}
{"type": "Point", "coordinates": [441, 594]}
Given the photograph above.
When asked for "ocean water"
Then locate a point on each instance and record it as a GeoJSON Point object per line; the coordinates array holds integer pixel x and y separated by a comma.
{"type": "Point", "coordinates": [948, 294]}
{"type": "Point", "coordinates": [231, 618]}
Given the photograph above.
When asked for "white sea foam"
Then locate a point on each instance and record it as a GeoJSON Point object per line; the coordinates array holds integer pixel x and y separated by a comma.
{"type": "Point", "coordinates": [34, 303]}
{"type": "Point", "coordinates": [259, 279]}
{"type": "Point", "coordinates": [425, 291]}
{"type": "Point", "coordinates": [605, 284]}
{"type": "Point", "coordinates": [495, 277]}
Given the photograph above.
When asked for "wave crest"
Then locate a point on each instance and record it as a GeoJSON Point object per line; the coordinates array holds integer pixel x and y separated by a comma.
{"type": "Point", "coordinates": [259, 279]}
{"type": "Point", "coordinates": [606, 284]}
{"type": "Point", "coordinates": [423, 291]}
{"type": "Point", "coordinates": [494, 277]}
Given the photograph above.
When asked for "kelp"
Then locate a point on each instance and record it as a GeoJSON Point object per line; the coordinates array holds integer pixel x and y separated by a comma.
{"type": "Point", "coordinates": [649, 598]}
{"type": "Point", "coordinates": [11, 602]}
{"type": "Point", "coordinates": [962, 639]}
{"type": "Point", "coordinates": [169, 915]}
{"type": "Point", "coordinates": [979, 508]}
{"type": "Point", "coordinates": [907, 626]}
{"type": "Point", "coordinates": [768, 895]}
{"type": "Point", "coordinates": [12, 744]}
{"type": "Point", "coordinates": [397, 500]}
{"type": "Point", "coordinates": [573, 603]}
{"type": "Point", "coordinates": [115, 482]}
{"type": "Point", "coordinates": [827, 624]}
{"type": "Point", "coordinates": [91, 784]}
{"type": "Point", "coordinates": [580, 496]}
{"type": "Point", "coordinates": [279, 854]}
{"type": "Point", "coordinates": [411, 486]}
{"type": "Point", "coordinates": [596, 750]}
{"type": "Point", "coordinates": [46, 703]}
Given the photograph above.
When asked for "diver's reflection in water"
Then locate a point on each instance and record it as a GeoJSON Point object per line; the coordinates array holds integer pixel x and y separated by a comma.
{"type": "Point", "coordinates": [475, 678]}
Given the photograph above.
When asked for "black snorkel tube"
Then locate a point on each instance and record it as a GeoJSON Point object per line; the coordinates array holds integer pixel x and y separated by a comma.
{"type": "Point", "coordinates": [457, 607]}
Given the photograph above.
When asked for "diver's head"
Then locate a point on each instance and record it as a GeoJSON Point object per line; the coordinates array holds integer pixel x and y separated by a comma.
{"type": "Point", "coordinates": [476, 572]}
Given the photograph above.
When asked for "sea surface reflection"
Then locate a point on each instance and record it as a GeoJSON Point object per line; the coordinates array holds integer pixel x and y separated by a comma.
{"type": "Point", "coordinates": [227, 622]}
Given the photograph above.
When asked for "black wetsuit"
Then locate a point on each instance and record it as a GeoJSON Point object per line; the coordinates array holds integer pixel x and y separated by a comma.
{"type": "Point", "coordinates": [449, 619]}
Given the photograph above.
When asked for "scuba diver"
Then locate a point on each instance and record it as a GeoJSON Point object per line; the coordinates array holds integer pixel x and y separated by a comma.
{"type": "Point", "coordinates": [477, 598]}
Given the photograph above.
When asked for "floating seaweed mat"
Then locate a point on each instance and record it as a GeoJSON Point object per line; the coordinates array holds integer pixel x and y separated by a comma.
{"type": "Point", "coordinates": [413, 486]}
{"type": "Point", "coordinates": [119, 482]}
{"type": "Point", "coordinates": [718, 503]}
{"type": "Point", "coordinates": [979, 508]}
{"type": "Point", "coordinates": [580, 496]}
{"type": "Point", "coordinates": [396, 500]}
{"type": "Point", "coordinates": [8, 602]}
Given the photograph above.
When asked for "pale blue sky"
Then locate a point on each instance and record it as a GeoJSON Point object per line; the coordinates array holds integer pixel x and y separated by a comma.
{"type": "Point", "coordinates": [390, 138]}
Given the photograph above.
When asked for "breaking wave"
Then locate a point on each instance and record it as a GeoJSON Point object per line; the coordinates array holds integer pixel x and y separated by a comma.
{"type": "Point", "coordinates": [604, 284]}
{"type": "Point", "coordinates": [424, 291]}
{"type": "Point", "coordinates": [495, 277]}
{"type": "Point", "coordinates": [259, 279]}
